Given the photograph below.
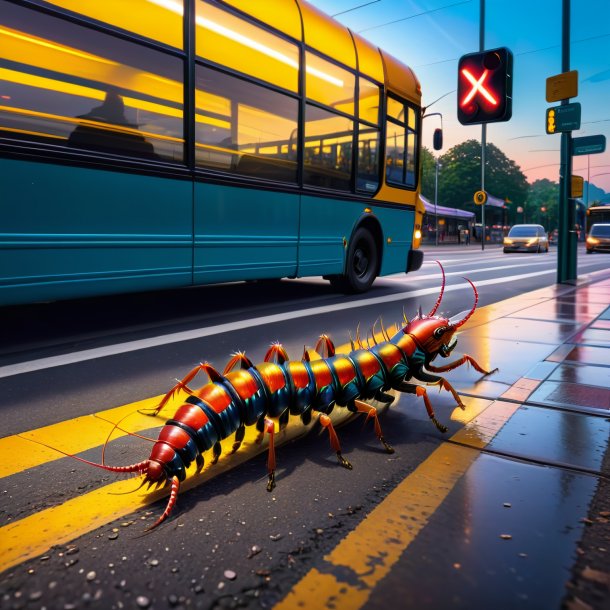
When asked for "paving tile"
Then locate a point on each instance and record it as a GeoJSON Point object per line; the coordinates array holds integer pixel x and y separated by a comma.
{"type": "Point", "coordinates": [593, 336]}
{"type": "Point", "coordinates": [555, 436]}
{"type": "Point", "coordinates": [572, 395]}
{"type": "Point", "coordinates": [583, 374]}
{"type": "Point", "coordinates": [538, 331]}
{"type": "Point", "coordinates": [589, 355]}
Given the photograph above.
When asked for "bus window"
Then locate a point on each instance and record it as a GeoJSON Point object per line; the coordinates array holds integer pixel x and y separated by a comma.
{"type": "Point", "coordinates": [244, 128]}
{"type": "Point", "coordinates": [68, 85]}
{"type": "Point", "coordinates": [328, 149]}
{"type": "Point", "coordinates": [401, 144]}
{"type": "Point", "coordinates": [329, 84]}
{"type": "Point", "coordinates": [156, 19]}
{"type": "Point", "coordinates": [230, 41]}
{"type": "Point", "coordinates": [368, 101]}
{"type": "Point", "coordinates": [368, 159]}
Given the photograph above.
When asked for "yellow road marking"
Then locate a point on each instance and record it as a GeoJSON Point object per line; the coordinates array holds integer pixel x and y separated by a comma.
{"type": "Point", "coordinates": [72, 436]}
{"type": "Point", "coordinates": [368, 553]}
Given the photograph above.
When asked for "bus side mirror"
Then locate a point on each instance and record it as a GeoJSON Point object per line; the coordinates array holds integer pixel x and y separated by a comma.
{"type": "Point", "coordinates": [437, 139]}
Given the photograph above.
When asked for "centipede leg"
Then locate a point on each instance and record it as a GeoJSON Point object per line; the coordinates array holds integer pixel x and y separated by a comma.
{"type": "Point", "coordinates": [326, 422]}
{"type": "Point", "coordinates": [216, 451]}
{"type": "Point", "coordinates": [270, 429]}
{"type": "Point", "coordinates": [371, 412]}
{"type": "Point", "coordinates": [418, 390]}
{"type": "Point", "coordinates": [239, 437]}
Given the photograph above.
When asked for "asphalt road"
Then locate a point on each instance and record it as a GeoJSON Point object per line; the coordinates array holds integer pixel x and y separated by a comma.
{"type": "Point", "coordinates": [229, 542]}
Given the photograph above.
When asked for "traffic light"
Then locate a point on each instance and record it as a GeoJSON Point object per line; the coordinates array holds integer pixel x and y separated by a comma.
{"type": "Point", "coordinates": [485, 87]}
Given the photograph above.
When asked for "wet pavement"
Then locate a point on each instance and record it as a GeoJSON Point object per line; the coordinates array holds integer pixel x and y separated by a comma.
{"type": "Point", "coordinates": [524, 520]}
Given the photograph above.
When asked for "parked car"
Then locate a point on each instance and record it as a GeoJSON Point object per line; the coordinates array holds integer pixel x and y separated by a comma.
{"type": "Point", "coordinates": [526, 238]}
{"type": "Point", "coordinates": [598, 239]}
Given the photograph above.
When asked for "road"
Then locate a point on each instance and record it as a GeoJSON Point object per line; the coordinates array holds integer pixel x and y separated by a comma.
{"type": "Point", "coordinates": [75, 368]}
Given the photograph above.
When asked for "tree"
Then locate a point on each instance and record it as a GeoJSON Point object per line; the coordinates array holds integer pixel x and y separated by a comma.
{"type": "Point", "coordinates": [542, 204]}
{"type": "Point", "coordinates": [428, 168]}
{"type": "Point", "coordinates": [460, 177]}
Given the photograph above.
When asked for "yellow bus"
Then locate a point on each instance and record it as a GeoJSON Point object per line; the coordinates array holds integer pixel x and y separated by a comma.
{"type": "Point", "coordinates": [149, 144]}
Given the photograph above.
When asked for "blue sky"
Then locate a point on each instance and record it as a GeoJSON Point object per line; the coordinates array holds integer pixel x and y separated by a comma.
{"type": "Point", "coordinates": [432, 42]}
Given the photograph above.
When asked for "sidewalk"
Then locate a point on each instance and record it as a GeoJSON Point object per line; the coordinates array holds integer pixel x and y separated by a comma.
{"type": "Point", "coordinates": [512, 510]}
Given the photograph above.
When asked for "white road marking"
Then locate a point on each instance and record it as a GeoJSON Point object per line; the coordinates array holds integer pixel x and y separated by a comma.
{"type": "Point", "coordinates": [197, 333]}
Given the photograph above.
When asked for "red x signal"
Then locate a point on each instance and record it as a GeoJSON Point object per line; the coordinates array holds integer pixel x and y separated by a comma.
{"type": "Point", "coordinates": [485, 86]}
{"type": "Point", "coordinates": [477, 86]}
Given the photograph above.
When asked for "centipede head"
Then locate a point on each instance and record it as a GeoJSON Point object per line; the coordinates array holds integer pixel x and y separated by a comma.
{"type": "Point", "coordinates": [434, 334]}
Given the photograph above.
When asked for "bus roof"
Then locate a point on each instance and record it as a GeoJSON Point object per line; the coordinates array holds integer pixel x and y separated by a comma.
{"type": "Point", "coordinates": [304, 22]}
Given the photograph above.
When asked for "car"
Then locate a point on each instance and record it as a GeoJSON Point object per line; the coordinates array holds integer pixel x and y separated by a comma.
{"type": "Point", "coordinates": [526, 238]}
{"type": "Point", "coordinates": [598, 239]}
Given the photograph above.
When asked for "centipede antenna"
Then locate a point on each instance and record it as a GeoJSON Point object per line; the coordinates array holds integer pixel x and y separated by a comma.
{"type": "Point", "coordinates": [114, 427]}
{"type": "Point", "coordinates": [440, 296]}
{"type": "Point", "coordinates": [117, 427]}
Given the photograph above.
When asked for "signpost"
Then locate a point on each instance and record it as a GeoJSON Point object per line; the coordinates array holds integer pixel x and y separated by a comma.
{"type": "Point", "coordinates": [563, 118]}
{"type": "Point", "coordinates": [589, 145]}
{"type": "Point", "coordinates": [562, 86]}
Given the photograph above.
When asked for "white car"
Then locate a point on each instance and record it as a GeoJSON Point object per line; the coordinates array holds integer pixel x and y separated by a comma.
{"type": "Point", "coordinates": [526, 238]}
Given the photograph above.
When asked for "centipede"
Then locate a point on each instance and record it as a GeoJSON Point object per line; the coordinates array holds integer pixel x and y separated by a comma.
{"type": "Point", "coordinates": [278, 389]}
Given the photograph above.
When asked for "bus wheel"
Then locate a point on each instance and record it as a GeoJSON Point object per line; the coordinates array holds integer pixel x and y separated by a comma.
{"type": "Point", "coordinates": [362, 264]}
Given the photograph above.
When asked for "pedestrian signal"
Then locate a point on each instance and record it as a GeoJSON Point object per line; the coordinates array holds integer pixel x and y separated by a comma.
{"type": "Point", "coordinates": [485, 87]}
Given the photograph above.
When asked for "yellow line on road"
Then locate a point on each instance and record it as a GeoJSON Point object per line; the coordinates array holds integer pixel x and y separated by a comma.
{"type": "Point", "coordinates": [350, 572]}
{"type": "Point", "coordinates": [17, 453]}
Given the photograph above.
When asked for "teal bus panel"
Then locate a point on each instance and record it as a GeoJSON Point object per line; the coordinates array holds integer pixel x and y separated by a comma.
{"type": "Point", "coordinates": [327, 224]}
{"type": "Point", "coordinates": [398, 223]}
{"type": "Point", "coordinates": [244, 233]}
{"type": "Point", "coordinates": [72, 232]}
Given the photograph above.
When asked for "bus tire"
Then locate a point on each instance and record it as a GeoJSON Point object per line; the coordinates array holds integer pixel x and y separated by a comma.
{"type": "Point", "coordinates": [362, 264]}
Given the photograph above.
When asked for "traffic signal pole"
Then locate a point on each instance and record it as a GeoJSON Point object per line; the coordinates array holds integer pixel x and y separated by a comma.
{"type": "Point", "coordinates": [567, 237]}
{"type": "Point", "coordinates": [483, 127]}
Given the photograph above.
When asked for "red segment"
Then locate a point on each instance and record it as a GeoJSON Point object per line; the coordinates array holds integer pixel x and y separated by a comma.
{"type": "Point", "coordinates": [321, 373]}
{"type": "Point", "coordinates": [299, 374]}
{"type": "Point", "coordinates": [243, 382]}
{"type": "Point", "coordinates": [216, 396]}
{"type": "Point", "coordinates": [272, 375]}
{"type": "Point", "coordinates": [191, 415]}
{"type": "Point", "coordinates": [344, 369]}
{"type": "Point", "coordinates": [174, 436]}
{"type": "Point", "coordinates": [369, 365]}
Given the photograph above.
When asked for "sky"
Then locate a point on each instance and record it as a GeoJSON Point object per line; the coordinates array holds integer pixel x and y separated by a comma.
{"type": "Point", "coordinates": [431, 35]}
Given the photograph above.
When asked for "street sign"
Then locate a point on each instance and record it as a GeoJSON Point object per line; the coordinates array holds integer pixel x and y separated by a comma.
{"type": "Point", "coordinates": [588, 145]}
{"type": "Point", "coordinates": [563, 118]}
{"type": "Point", "coordinates": [562, 86]}
{"type": "Point", "coordinates": [578, 183]}
{"type": "Point", "coordinates": [480, 197]}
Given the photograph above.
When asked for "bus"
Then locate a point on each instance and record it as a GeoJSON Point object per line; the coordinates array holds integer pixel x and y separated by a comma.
{"type": "Point", "coordinates": [159, 144]}
{"type": "Point", "coordinates": [597, 214]}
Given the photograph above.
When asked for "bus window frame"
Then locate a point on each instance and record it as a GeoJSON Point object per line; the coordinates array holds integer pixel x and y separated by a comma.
{"type": "Point", "coordinates": [416, 131]}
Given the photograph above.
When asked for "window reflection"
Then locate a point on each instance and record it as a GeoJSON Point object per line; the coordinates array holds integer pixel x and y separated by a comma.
{"type": "Point", "coordinates": [329, 84]}
{"type": "Point", "coordinates": [401, 144]}
{"type": "Point", "coordinates": [368, 159]}
{"type": "Point", "coordinates": [55, 72]}
{"type": "Point", "coordinates": [245, 128]}
{"type": "Point", "coordinates": [229, 41]}
{"type": "Point", "coordinates": [395, 152]}
{"type": "Point", "coordinates": [328, 149]}
{"type": "Point", "coordinates": [160, 20]}
{"type": "Point", "coordinates": [368, 101]}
